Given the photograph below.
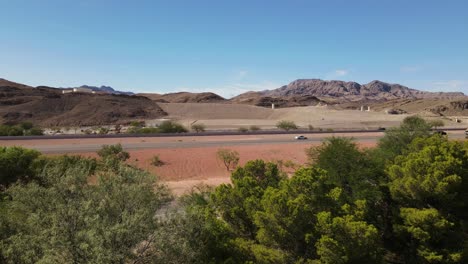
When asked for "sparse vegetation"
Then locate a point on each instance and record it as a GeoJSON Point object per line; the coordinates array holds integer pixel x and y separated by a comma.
{"type": "Point", "coordinates": [23, 129]}
{"type": "Point", "coordinates": [242, 129]}
{"type": "Point", "coordinates": [103, 130]}
{"type": "Point", "coordinates": [254, 128]}
{"type": "Point", "coordinates": [113, 152]}
{"type": "Point", "coordinates": [156, 161]}
{"type": "Point", "coordinates": [229, 158]}
{"type": "Point", "coordinates": [437, 123]}
{"type": "Point", "coordinates": [198, 127]}
{"type": "Point", "coordinates": [311, 128]}
{"type": "Point", "coordinates": [286, 125]}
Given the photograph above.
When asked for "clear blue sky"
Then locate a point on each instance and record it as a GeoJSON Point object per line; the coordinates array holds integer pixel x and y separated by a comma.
{"type": "Point", "coordinates": [232, 46]}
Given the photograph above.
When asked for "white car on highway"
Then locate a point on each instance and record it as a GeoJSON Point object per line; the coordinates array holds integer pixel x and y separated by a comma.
{"type": "Point", "coordinates": [301, 137]}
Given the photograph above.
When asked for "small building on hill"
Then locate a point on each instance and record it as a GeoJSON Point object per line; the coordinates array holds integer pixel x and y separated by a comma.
{"type": "Point", "coordinates": [78, 90]}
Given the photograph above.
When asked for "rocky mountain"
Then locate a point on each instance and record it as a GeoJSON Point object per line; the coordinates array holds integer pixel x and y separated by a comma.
{"type": "Point", "coordinates": [106, 89]}
{"type": "Point", "coordinates": [353, 91]}
{"type": "Point", "coordinates": [46, 106]}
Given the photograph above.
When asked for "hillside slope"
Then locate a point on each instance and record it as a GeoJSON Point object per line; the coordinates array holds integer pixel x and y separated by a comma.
{"type": "Point", "coordinates": [49, 107]}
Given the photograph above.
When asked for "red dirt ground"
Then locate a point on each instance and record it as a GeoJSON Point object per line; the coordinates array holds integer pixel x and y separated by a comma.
{"type": "Point", "coordinates": [187, 167]}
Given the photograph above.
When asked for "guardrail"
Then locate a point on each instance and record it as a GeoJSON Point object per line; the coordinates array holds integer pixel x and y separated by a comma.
{"type": "Point", "coordinates": [201, 134]}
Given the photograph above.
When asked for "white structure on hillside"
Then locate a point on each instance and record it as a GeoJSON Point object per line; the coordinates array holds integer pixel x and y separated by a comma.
{"type": "Point", "coordinates": [272, 106]}
{"type": "Point", "coordinates": [78, 90]}
{"type": "Point", "coordinates": [362, 108]}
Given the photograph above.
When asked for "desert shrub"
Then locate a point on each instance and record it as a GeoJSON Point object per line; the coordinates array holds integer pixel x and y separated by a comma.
{"type": "Point", "coordinates": [156, 161]}
{"type": "Point", "coordinates": [35, 131]}
{"type": "Point", "coordinates": [286, 125]}
{"type": "Point", "coordinates": [254, 128]}
{"type": "Point", "coordinates": [230, 158]}
{"type": "Point", "coordinates": [310, 127]}
{"type": "Point", "coordinates": [16, 163]}
{"type": "Point", "coordinates": [329, 129]}
{"type": "Point", "coordinates": [26, 125]}
{"type": "Point", "coordinates": [147, 130]}
{"type": "Point", "coordinates": [15, 131]}
{"type": "Point", "coordinates": [115, 152]}
{"type": "Point", "coordinates": [138, 123]}
{"type": "Point", "coordinates": [169, 126]}
{"type": "Point", "coordinates": [87, 131]}
{"type": "Point", "coordinates": [436, 123]}
{"type": "Point", "coordinates": [242, 129]}
{"type": "Point", "coordinates": [198, 127]}
{"type": "Point", "coordinates": [103, 130]}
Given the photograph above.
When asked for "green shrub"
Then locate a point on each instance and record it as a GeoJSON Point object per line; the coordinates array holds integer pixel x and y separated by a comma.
{"type": "Point", "coordinates": [286, 125]}
{"type": "Point", "coordinates": [169, 126]}
{"type": "Point", "coordinates": [254, 128]}
{"type": "Point", "coordinates": [113, 152]}
{"type": "Point", "coordinates": [16, 163]}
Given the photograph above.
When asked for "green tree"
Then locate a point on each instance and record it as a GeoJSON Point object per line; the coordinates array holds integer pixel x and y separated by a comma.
{"type": "Point", "coordinates": [397, 139]}
{"type": "Point", "coordinates": [430, 184]}
{"type": "Point", "coordinates": [348, 167]}
{"type": "Point", "coordinates": [436, 123]}
{"type": "Point", "coordinates": [286, 125]}
{"type": "Point", "coordinates": [230, 158]}
{"type": "Point", "coordinates": [66, 220]}
{"type": "Point", "coordinates": [237, 203]}
{"type": "Point", "coordinates": [16, 163]}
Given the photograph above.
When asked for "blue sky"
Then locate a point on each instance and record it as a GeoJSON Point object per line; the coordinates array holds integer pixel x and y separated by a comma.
{"type": "Point", "coordinates": [230, 47]}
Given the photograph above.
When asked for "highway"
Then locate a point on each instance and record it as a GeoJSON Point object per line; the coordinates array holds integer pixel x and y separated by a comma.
{"type": "Point", "coordinates": [80, 145]}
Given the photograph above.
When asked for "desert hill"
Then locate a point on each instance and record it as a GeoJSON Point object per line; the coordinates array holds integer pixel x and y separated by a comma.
{"type": "Point", "coordinates": [47, 106]}
{"type": "Point", "coordinates": [353, 91]}
{"type": "Point", "coordinates": [185, 97]}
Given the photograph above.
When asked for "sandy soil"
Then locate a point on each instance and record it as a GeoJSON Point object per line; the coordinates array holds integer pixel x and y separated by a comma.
{"type": "Point", "coordinates": [187, 167]}
{"type": "Point", "coordinates": [232, 116]}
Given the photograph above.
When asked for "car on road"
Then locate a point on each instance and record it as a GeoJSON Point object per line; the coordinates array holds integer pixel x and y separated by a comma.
{"type": "Point", "coordinates": [301, 137]}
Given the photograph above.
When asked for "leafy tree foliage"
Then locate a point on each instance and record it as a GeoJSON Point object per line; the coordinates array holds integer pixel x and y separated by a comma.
{"type": "Point", "coordinates": [229, 158]}
{"type": "Point", "coordinates": [24, 129]}
{"type": "Point", "coordinates": [64, 219]}
{"type": "Point", "coordinates": [431, 184]}
{"type": "Point", "coordinates": [397, 139]}
{"type": "Point", "coordinates": [16, 163]}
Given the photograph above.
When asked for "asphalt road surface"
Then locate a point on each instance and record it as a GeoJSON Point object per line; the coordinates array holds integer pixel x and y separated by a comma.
{"type": "Point", "coordinates": [60, 146]}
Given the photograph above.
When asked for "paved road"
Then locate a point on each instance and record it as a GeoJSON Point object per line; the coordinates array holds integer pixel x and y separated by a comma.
{"type": "Point", "coordinates": [58, 146]}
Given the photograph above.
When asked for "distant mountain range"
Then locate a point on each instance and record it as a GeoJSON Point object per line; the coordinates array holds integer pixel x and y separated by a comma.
{"type": "Point", "coordinates": [48, 106]}
{"type": "Point", "coordinates": [375, 90]}
{"type": "Point", "coordinates": [105, 89]}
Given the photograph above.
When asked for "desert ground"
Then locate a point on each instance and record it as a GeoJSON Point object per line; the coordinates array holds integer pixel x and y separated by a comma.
{"type": "Point", "coordinates": [192, 160]}
{"type": "Point", "coordinates": [219, 116]}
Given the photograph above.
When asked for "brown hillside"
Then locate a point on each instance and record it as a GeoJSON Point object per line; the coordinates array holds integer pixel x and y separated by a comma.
{"type": "Point", "coordinates": [257, 99]}
{"type": "Point", "coordinates": [48, 107]}
{"type": "Point", "coordinates": [185, 97]}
